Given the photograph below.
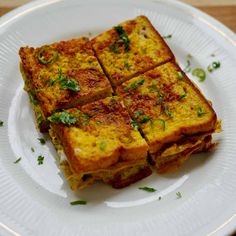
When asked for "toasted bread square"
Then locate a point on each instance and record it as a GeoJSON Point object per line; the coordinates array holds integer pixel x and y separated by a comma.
{"type": "Point", "coordinates": [168, 108]}
{"type": "Point", "coordinates": [100, 144]}
{"type": "Point", "coordinates": [63, 75]}
{"type": "Point", "coordinates": [129, 49]}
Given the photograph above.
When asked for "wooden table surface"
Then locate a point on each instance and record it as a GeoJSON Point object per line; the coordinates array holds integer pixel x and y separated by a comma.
{"type": "Point", "coordinates": [223, 10]}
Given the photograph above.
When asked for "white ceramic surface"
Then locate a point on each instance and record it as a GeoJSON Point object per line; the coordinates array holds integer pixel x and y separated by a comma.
{"type": "Point", "coordinates": [35, 200]}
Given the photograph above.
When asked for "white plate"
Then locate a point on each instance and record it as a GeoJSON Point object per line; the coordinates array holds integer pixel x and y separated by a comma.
{"type": "Point", "coordinates": [35, 200]}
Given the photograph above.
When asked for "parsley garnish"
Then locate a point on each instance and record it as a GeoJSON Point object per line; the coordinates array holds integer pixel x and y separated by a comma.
{"type": "Point", "coordinates": [40, 160]}
{"type": "Point", "coordinates": [134, 124]}
{"type": "Point", "coordinates": [127, 65]}
{"type": "Point", "coordinates": [42, 141]}
{"type": "Point", "coordinates": [78, 202]}
{"type": "Point", "coordinates": [145, 119]}
{"type": "Point", "coordinates": [178, 195]}
{"type": "Point", "coordinates": [200, 73]}
{"type": "Point", "coordinates": [1, 123]}
{"type": "Point", "coordinates": [98, 122]}
{"type": "Point", "coordinates": [18, 160]}
{"type": "Point", "coordinates": [65, 83]}
{"type": "Point", "coordinates": [103, 145]}
{"type": "Point", "coordinates": [65, 118]}
{"type": "Point", "coordinates": [167, 36]}
{"type": "Point", "coordinates": [70, 84]}
{"type": "Point", "coordinates": [180, 75]}
{"type": "Point", "coordinates": [147, 189]}
{"type": "Point", "coordinates": [45, 50]}
{"type": "Point", "coordinates": [182, 96]}
{"type": "Point", "coordinates": [32, 149]}
{"type": "Point", "coordinates": [200, 112]}
{"type": "Point", "coordinates": [122, 39]}
{"type": "Point", "coordinates": [32, 99]}
{"type": "Point", "coordinates": [138, 113]}
{"type": "Point", "coordinates": [135, 84]}
{"type": "Point", "coordinates": [167, 112]}
{"type": "Point", "coordinates": [213, 66]}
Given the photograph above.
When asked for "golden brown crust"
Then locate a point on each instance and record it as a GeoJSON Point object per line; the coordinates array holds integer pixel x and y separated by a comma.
{"type": "Point", "coordinates": [73, 60]}
{"type": "Point", "coordinates": [104, 122]}
{"type": "Point", "coordinates": [157, 95]}
{"type": "Point", "coordinates": [146, 50]}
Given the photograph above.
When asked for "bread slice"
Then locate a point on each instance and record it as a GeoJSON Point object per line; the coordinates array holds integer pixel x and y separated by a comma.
{"type": "Point", "coordinates": [130, 49]}
{"type": "Point", "coordinates": [169, 111]}
{"type": "Point", "coordinates": [62, 75]}
{"type": "Point", "coordinates": [100, 144]}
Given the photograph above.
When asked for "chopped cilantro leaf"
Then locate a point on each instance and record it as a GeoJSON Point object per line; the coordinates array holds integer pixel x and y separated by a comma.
{"type": "Point", "coordinates": [1, 123]}
{"type": "Point", "coordinates": [148, 189]}
{"type": "Point", "coordinates": [32, 149]}
{"type": "Point", "coordinates": [122, 39]}
{"type": "Point", "coordinates": [145, 119]}
{"type": "Point", "coordinates": [200, 112]}
{"type": "Point", "coordinates": [166, 111]}
{"type": "Point", "coordinates": [127, 65]}
{"type": "Point", "coordinates": [134, 124]}
{"type": "Point", "coordinates": [78, 202]}
{"type": "Point", "coordinates": [178, 195]}
{"type": "Point", "coordinates": [42, 141]}
{"type": "Point", "coordinates": [103, 145]}
{"type": "Point", "coordinates": [70, 84]}
{"type": "Point", "coordinates": [65, 118]}
{"type": "Point", "coordinates": [40, 160]}
{"type": "Point", "coordinates": [187, 68]}
{"type": "Point", "coordinates": [167, 36]}
{"type": "Point", "coordinates": [213, 66]}
{"type": "Point", "coordinates": [134, 85]}
{"type": "Point", "coordinates": [182, 96]}
{"type": "Point", "coordinates": [98, 122]}
{"type": "Point", "coordinates": [114, 48]}
{"type": "Point", "coordinates": [18, 160]}
{"type": "Point", "coordinates": [138, 113]}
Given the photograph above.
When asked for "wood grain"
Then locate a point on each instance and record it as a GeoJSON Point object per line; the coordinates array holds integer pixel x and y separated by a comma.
{"type": "Point", "coordinates": [225, 14]}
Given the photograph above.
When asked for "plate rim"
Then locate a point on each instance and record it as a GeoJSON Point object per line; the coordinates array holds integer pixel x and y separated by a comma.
{"type": "Point", "coordinates": [220, 28]}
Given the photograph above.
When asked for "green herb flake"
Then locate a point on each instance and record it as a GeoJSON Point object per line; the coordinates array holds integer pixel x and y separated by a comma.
{"type": "Point", "coordinates": [65, 118]}
{"type": "Point", "coordinates": [40, 160]}
{"type": "Point", "coordinates": [180, 75]}
{"type": "Point", "coordinates": [98, 122]}
{"type": "Point", "coordinates": [78, 202]}
{"type": "Point", "coordinates": [127, 65]}
{"type": "Point", "coordinates": [169, 36]}
{"type": "Point", "coordinates": [182, 96]}
{"type": "Point", "coordinates": [138, 113]}
{"type": "Point", "coordinates": [200, 73]}
{"type": "Point", "coordinates": [42, 141]}
{"type": "Point", "coordinates": [1, 123]}
{"type": "Point", "coordinates": [123, 37]}
{"type": "Point", "coordinates": [114, 48]}
{"type": "Point", "coordinates": [178, 195]}
{"type": "Point", "coordinates": [32, 149]}
{"type": "Point", "coordinates": [167, 112]}
{"type": "Point", "coordinates": [17, 161]}
{"type": "Point", "coordinates": [213, 66]}
{"type": "Point", "coordinates": [103, 145]}
{"type": "Point", "coordinates": [145, 119]}
{"type": "Point", "coordinates": [45, 50]}
{"type": "Point", "coordinates": [32, 99]}
{"type": "Point", "coordinates": [134, 124]}
{"type": "Point", "coordinates": [148, 189]}
{"type": "Point", "coordinates": [162, 122]}
{"type": "Point", "coordinates": [200, 112]}
{"type": "Point", "coordinates": [70, 84]}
